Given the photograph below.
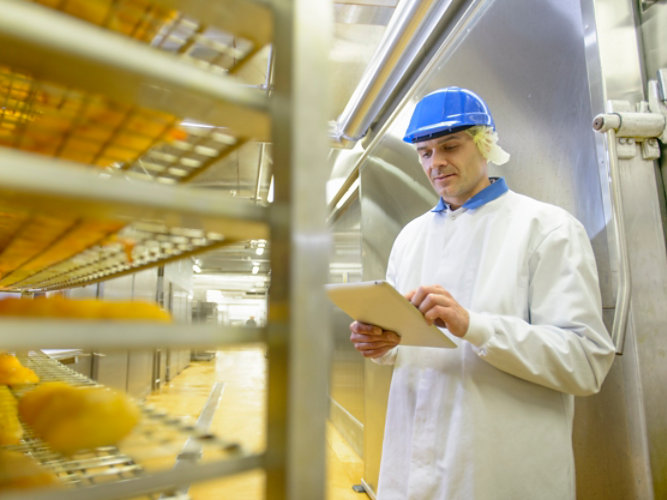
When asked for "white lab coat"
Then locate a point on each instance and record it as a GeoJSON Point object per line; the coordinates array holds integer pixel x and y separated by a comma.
{"type": "Point", "coordinates": [492, 419]}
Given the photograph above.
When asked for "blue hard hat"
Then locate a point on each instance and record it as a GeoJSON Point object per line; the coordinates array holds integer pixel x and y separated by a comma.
{"type": "Point", "coordinates": [445, 111]}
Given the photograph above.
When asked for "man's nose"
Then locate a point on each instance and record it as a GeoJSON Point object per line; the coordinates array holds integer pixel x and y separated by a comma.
{"type": "Point", "coordinates": [438, 159]}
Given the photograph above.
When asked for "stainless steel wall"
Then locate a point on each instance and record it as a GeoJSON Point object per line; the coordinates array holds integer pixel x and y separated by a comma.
{"type": "Point", "coordinates": [631, 47]}
{"type": "Point", "coordinates": [347, 375]}
{"type": "Point", "coordinates": [393, 190]}
{"type": "Point", "coordinates": [533, 65]}
{"type": "Point", "coordinates": [393, 187]}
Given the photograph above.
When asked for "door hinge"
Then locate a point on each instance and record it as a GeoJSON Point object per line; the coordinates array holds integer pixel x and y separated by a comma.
{"type": "Point", "coordinates": [642, 126]}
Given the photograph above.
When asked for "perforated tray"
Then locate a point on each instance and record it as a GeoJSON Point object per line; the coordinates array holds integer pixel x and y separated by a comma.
{"type": "Point", "coordinates": [157, 443]}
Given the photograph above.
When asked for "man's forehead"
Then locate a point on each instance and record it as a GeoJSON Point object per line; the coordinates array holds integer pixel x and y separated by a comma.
{"type": "Point", "coordinates": [439, 140]}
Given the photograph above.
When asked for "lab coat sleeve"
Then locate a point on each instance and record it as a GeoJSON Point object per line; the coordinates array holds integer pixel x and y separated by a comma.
{"type": "Point", "coordinates": [564, 345]}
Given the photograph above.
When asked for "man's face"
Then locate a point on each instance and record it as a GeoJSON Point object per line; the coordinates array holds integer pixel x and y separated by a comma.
{"type": "Point", "coordinates": [455, 167]}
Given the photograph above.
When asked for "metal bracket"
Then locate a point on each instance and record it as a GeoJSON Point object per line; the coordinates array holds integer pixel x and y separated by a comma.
{"type": "Point", "coordinates": [626, 148]}
{"type": "Point", "coordinates": [650, 149]}
{"type": "Point", "coordinates": [643, 126]}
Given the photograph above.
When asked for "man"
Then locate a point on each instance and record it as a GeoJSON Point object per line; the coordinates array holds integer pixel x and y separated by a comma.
{"type": "Point", "coordinates": [514, 283]}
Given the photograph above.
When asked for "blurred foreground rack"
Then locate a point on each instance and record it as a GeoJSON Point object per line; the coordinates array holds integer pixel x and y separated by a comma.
{"type": "Point", "coordinates": [109, 109]}
{"type": "Point", "coordinates": [145, 458]}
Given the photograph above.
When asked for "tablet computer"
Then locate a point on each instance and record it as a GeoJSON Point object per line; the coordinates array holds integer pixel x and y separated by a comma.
{"type": "Point", "coordinates": [379, 303]}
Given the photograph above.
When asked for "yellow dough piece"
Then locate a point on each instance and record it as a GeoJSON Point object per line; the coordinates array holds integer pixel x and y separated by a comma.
{"type": "Point", "coordinates": [12, 372]}
{"type": "Point", "coordinates": [133, 310]}
{"type": "Point", "coordinates": [72, 418]}
{"type": "Point", "coordinates": [19, 471]}
{"type": "Point", "coordinates": [11, 431]}
{"type": "Point", "coordinates": [57, 306]}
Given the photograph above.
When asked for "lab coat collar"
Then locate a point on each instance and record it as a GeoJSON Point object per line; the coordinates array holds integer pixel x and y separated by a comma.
{"type": "Point", "coordinates": [498, 186]}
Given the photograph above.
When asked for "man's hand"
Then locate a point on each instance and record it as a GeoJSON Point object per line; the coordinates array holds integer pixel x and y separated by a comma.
{"type": "Point", "coordinates": [372, 341]}
{"type": "Point", "coordinates": [439, 307]}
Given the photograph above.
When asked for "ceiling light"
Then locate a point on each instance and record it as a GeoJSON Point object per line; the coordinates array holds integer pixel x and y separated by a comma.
{"type": "Point", "coordinates": [255, 269]}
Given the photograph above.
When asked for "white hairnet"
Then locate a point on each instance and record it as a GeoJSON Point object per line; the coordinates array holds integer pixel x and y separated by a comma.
{"type": "Point", "coordinates": [486, 140]}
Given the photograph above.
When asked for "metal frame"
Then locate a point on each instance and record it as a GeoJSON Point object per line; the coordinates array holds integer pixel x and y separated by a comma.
{"type": "Point", "coordinates": [73, 53]}
{"type": "Point", "coordinates": [66, 334]}
{"type": "Point", "coordinates": [298, 339]}
{"type": "Point", "coordinates": [29, 181]}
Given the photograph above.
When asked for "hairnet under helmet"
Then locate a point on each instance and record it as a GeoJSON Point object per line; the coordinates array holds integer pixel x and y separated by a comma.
{"type": "Point", "coordinates": [447, 110]}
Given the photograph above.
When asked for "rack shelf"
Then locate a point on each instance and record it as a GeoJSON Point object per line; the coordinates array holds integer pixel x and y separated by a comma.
{"type": "Point", "coordinates": [111, 472]}
{"type": "Point", "coordinates": [29, 183]}
{"type": "Point", "coordinates": [58, 48]}
{"type": "Point", "coordinates": [111, 335]}
{"type": "Point", "coordinates": [246, 19]}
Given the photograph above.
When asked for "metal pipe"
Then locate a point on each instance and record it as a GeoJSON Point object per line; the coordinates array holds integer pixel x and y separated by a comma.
{"type": "Point", "coordinates": [622, 308]}
{"type": "Point", "coordinates": [446, 43]}
{"type": "Point", "coordinates": [411, 34]}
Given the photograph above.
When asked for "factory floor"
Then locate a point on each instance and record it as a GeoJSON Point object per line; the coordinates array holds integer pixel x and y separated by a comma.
{"type": "Point", "coordinates": [240, 416]}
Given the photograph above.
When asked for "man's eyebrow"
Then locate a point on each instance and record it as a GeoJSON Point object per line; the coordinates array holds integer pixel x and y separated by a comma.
{"type": "Point", "coordinates": [442, 140]}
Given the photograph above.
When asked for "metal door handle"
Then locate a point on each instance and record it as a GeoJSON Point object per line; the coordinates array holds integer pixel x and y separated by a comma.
{"type": "Point", "coordinates": [646, 125]}
{"type": "Point", "coordinates": [622, 308]}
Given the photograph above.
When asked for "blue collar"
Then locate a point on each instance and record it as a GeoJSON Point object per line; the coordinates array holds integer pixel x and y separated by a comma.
{"type": "Point", "coordinates": [489, 193]}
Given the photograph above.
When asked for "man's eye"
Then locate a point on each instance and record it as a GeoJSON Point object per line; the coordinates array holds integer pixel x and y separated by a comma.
{"type": "Point", "coordinates": [426, 155]}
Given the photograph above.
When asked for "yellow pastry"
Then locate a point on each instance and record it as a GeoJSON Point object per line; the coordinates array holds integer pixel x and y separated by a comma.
{"type": "Point", "coordinates": [57, 306]}
{"type": "Point", "coordinates": [11, 431]}
{"type": "Point", "coordinates": [71, 418]}
{"type": "Point", "coordinates": [12, 372]}
{"type": "Point", "coordinates": [19, 471]}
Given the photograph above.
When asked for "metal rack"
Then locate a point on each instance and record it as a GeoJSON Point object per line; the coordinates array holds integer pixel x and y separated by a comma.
{"type": "Point", "coordinates": [86, 70]}
{"type": "Point", "coordinates": [92, 468]}
{"type": "Point", "coordinates": [103, 111]}
{"type": "Point", "coordinates": [28, 181]}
